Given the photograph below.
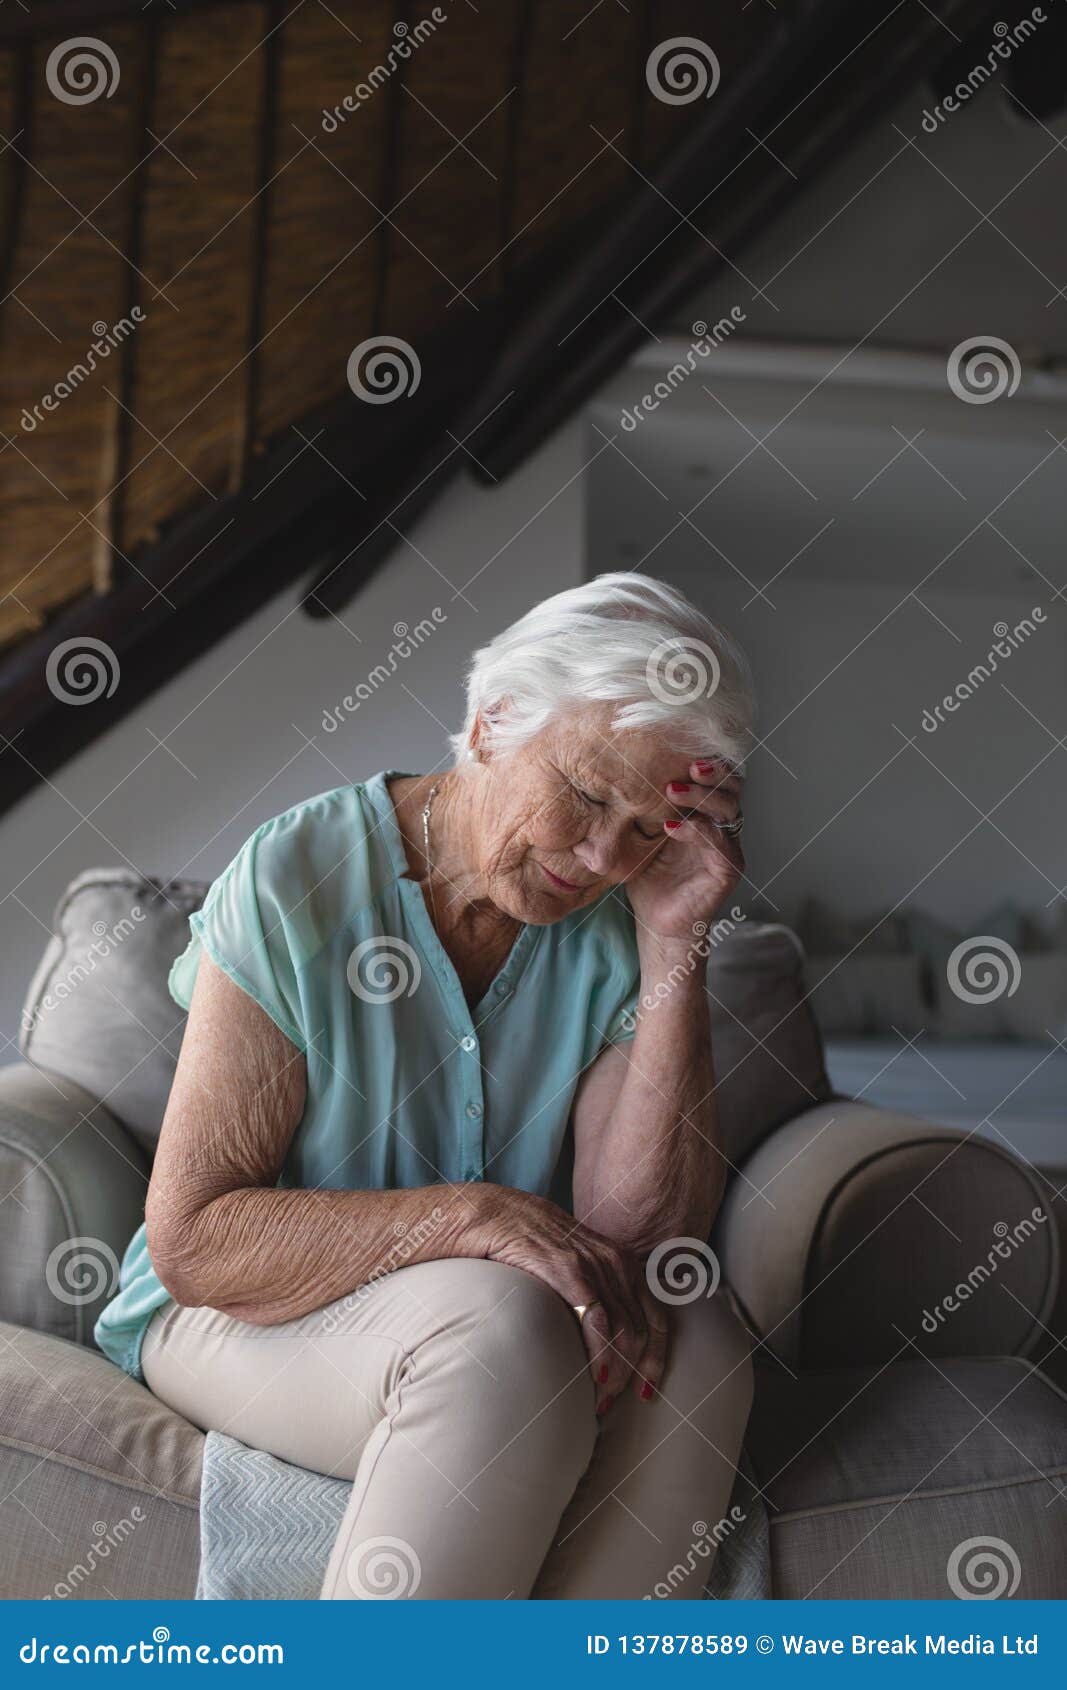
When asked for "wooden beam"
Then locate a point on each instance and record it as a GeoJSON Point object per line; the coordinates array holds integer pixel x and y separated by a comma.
{"type": "Point", "coordinates": [52, 17]}
{"type": "Point", "coordinates": [575, 333]}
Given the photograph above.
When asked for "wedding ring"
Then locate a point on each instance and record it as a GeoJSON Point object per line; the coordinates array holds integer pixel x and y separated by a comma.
{"type": "Point", "coordinates": [582, 1309]}
{"type": "Point", "coordinates": [730, 829]}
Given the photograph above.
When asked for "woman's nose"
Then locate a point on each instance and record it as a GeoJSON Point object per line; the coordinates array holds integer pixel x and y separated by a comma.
{"type": "Point", "coordinates": [599, 853]}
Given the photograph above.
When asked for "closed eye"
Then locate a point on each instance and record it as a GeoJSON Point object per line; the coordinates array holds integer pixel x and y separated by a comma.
{"type": "Point", "coordinates": [600, 803]}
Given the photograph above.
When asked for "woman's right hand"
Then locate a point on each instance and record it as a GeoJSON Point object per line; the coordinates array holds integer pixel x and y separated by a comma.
{"type": "Point", "coordinates": [626, 1330]}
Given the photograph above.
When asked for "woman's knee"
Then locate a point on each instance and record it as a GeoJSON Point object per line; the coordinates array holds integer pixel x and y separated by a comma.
{"type": "Point", "coordinates": [526, 1348]}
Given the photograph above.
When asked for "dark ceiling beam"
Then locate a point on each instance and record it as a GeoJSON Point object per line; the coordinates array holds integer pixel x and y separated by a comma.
{"type": "Point", "coordinates": [212, 569]}
{"type": "Point", "coordinates": [579, 334]}
{"type": "Point", "coordinates": [49, 18]}
{"type": "Point", "coordinates": [559, 333]}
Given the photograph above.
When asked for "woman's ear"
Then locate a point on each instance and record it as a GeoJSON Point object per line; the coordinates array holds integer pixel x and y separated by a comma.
{"type": "Point", "coordinates": [475, 746]}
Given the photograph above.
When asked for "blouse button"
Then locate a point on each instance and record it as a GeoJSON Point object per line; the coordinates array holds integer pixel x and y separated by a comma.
{"type": "Point", "coordinates": [468, 1043]}
{"type": "Point", "coordinates": [474, 1110]}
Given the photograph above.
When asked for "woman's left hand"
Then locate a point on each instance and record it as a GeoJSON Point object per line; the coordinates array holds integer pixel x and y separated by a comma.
{"type": "Point", "coordinates": [687, 881]}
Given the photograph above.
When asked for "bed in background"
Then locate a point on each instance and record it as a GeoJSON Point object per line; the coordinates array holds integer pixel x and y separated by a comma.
{"type": "Point", "coordinates": [966, 1028]}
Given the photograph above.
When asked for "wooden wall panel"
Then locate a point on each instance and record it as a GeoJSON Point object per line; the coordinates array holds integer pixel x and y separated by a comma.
{"type": "Point", "coordinates": [281, 241]}
{"type": "Point", "coordinates": [447, 224]}
{"type": "Point", "coordinates": [326, 241]}
{"type": "Point", "coordinates": [579, 92]}
{"type": "Point", "coordinates": [199, 244]}
{"type": "Point", "coordinates": [68, 280]}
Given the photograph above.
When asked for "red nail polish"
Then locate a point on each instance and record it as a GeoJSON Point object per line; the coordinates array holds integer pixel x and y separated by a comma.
{"type": "Point", "coordinates": [679, 786]}
{"type": "Point", "coordinates": [646, 1391]}
{"type": "Point", "coordinates": [602, 1376]}
{"type": "Point", "coordinates": [604, 1406]}
{"type": "Point", "coordinates": [672, 826]}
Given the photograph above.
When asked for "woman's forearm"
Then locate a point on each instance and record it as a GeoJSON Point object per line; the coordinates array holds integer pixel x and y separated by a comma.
{"type": "Point", "coordinates": [659, 1173]}
{"type": "Point", "coordinates": [270, 1255]}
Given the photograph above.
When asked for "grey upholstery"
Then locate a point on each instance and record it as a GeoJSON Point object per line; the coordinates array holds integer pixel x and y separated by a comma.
{"type": "Point", "coordinates": [876, 1479]}
{"type": "Point", "coordinates": [72, 1191]}
{"type": "Point", "coordinates": [850, 1227]}
{"type": "Point", "coordinates": [842, 1228]}
{"type": "Point", "coordinates": [768, 1053]}
{"type": "Point", "coordinates": [101, 1482]}
{"type": "Point", "coordinates": [98, 1009]}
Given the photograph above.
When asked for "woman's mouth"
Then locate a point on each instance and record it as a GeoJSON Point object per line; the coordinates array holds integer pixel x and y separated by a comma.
{"type": "Point", "coordinates": [564, 885]}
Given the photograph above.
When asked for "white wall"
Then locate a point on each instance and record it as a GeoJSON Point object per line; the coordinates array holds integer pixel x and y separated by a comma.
{"type": "Point", "coordinates": [887, 250]}
{"type": "Point", "coordinates": [241, 730]}
{"type": "Point", "coordinates": [865, 586]}
{"type": "Point", "coordinates": [890, 245]}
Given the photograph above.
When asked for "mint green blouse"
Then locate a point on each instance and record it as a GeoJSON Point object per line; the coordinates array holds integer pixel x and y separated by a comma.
{"type": "Point", "coordinates": [317, 920]}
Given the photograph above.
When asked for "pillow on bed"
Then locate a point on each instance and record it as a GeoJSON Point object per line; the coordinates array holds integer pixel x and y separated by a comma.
{"type": "Point", "coordinates": [824, 931]}
{"type": "Point", "coordinates": [861, 994]}
{"type": "Point", "coordinates": [1039, 1005]}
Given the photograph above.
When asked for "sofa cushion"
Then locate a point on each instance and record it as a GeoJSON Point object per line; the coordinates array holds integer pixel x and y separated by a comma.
{"type": "Point", "coordinates": [924, 1479]}
{"type": "Point", "coordinates": [98, 1010]}
{"type": "Point", "coordinates": [99, 1480]}
{"type": "Point", "coordinates": [72, 1192]}
{"type": "Point", "coordinates": [768, 1052]}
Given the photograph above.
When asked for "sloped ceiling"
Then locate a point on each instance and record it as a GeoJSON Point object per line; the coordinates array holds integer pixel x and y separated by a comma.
{"type": "Point", "coordinates": [207, 216]}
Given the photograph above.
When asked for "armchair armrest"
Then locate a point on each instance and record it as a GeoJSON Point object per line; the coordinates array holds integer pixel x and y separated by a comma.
{"type": "Point", "coordinates": [72, 1191]}
{"type": "Point", "coordinates": [855, 1235]}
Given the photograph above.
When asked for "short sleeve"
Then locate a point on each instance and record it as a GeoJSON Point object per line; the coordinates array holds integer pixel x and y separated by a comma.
{"type": "Point", "coordinates": [615, 931]}
{"type": "Point", "coordinates": [624, 1024]}
{"type": "Point", "coordinates": [244, 928]}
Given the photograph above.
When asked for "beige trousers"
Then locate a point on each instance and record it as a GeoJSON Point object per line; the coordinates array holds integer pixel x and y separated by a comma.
{"type": "Point", "coordinates": [456, 1396]}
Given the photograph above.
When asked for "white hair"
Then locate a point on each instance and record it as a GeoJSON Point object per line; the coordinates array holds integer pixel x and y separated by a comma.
{"type": "Point", "coordinates": [621, 638]}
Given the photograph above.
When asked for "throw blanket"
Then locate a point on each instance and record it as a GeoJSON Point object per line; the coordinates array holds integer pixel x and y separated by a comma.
{"type": "Point", "coordinates": [267, 1528]}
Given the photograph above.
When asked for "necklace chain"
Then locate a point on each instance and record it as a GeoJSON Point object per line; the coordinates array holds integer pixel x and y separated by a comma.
{"type": "Point", "coordinates": [431, 795]}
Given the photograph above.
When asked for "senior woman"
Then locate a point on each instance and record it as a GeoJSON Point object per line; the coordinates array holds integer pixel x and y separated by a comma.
{"type": "Point", "coordinates": [445, 1087]}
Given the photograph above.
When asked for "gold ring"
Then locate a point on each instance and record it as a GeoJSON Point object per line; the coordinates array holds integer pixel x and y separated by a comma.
{"type": "Point", "coordinates": [582, 1309]}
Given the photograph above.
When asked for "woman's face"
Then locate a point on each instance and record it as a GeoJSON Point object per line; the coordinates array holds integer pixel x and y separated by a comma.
{"type": "Point", "coordinates": [578, 809]}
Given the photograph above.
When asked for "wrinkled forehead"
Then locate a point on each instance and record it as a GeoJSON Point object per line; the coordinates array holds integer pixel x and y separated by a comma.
{"type": "Point", "coordinates": [635, 763]}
